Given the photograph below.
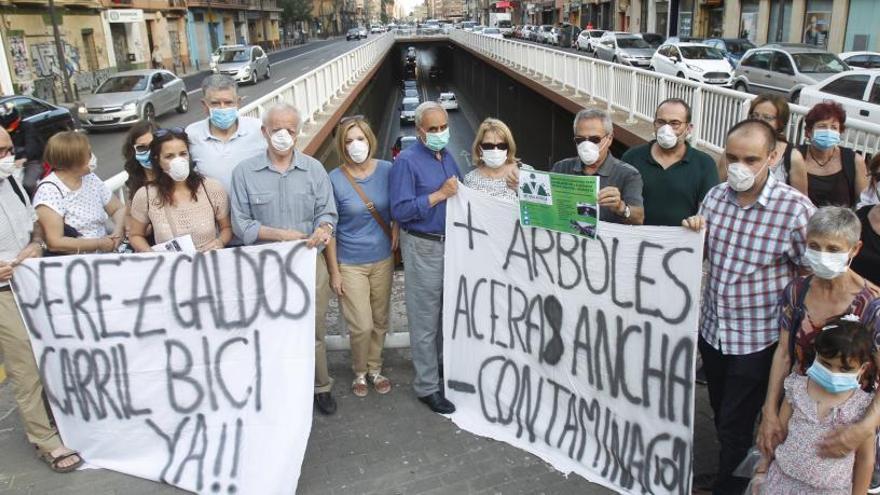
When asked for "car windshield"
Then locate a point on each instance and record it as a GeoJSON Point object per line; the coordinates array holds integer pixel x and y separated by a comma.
{"type": "Point", "coordinates": [738, 47]}
{"type": "Point", "coordinates": [234, 56]}
{"type": "Point", "coordinates": [632, 43]}
{"type": "Point", "coordinates": [447, 97]}
{"type": "Point", "coordinates": [352, 31]}
{"type": "Point", "coordinates": [409, 106]}
{"type": "Point", "coordinates": [596, 34]}
{"type": "Point", "coordinates": [504, 24]}
{"type": "Point", "coordinates": [491, 31]}
{"type": "Point", "coordinates": [701, 53]}
{"type": "Point", "coordinates": [123, 84]}
{"type": "Point", "coordinates": [411, 93]}
{"type": "Point", "coordinates": [815, 63]}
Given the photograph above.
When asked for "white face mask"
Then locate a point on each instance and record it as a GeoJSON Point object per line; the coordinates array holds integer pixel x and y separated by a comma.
{"type": "Point", "coordinates": [7, 166]}
{"type": "Point", "coordinates": [588, 152]}
{"type": "Point", "coordinates": [178, 169]}
{"type": "Point", "coordinates": [93, 163]}
{"type": "Point", "coordinates": [358, 150]}
{"type": "Point", "coordinates": [494, 158]}
{"type": "Point", "coordinates": [740, 177]}
{"type": "Point", "coordinates": [666, 137]}
{"type": "Point", "coordinates": [281, 140]}
{"type": "Point", "coordinates": [827, 265]}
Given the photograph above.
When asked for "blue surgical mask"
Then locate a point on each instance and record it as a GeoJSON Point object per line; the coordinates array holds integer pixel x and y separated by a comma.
{"type": "Point", "coordinates": [825, 138]}
{"type": "Point", "coordinates": [223, 118]}
{"type": "Point", "coordinates": [144, 159]}
{"type": "Point", "coordinates": [834, 383]}
{"type": "Point", "coordinates": [436, 141]}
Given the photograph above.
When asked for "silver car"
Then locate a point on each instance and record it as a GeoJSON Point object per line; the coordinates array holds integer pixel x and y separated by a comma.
{"type": "Point", "coordinates": [627, 49]}
{"type": "Point", "coordinates": [244, 64]}
{"type": "Point", "coordinates": [784, 69]}
{"type": "Point", "coordinates": [127, 97]}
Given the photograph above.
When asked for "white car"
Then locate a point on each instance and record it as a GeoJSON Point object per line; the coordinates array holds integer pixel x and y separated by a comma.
{"type": "Point", "coordinates": [376, 29]}
{"type": "Point", "coordinates": [492, 32]}
{"type": "Point", "coordinates": [586, 39]}
{"type": "Point", "coordinates": [448, 101]}
{"type": "Point", "coordinates": [408, 110]}
{"type": "Point", "coordinates": [693, 61]}
{"type": "Point", "coordinates": [861, 60]}
{"type": "Point", "coordinates": [857, 90]}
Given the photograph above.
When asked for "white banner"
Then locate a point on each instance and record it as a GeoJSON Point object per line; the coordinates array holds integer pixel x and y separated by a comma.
{"type": "Point", "coordinates": [196, 371]}
{"type": "Point", "coordinates": [579, 351]}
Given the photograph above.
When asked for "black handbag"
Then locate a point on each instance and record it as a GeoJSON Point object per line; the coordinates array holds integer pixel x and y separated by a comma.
{"type": "Point", "coordinates": [69, 231]}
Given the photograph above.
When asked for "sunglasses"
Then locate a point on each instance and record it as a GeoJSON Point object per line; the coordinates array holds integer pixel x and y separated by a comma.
{"type": "Point", "coordinates": [593, 139]}
{"type": "Point", "coordinates": [493, 146]}
{"type": "Point", "coordinates": [176, 131]}
{"type": "Point", "coordinates": [141, 148]}
{"type": "Point", "coordinates": [350, 118]}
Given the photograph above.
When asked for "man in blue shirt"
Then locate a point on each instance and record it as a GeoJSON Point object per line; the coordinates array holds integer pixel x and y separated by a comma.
{"type": "Point", "coordinates": [424, 176]}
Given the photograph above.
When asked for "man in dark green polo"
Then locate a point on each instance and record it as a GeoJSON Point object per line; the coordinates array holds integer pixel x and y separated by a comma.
{"type": "Point", "coordinates": [675, 175]}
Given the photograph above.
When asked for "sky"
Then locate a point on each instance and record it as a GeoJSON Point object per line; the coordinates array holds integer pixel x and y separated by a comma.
{"type": "Point", "coordinates": [409, 4]}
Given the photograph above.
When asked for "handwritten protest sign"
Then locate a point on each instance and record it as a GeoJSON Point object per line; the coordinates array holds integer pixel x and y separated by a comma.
{"type": "Point", "coordinates": [196, 371]}
{"type": "Point", "coordinates": [580, 351]}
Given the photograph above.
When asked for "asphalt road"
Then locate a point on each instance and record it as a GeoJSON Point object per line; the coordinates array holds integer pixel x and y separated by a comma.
{"type": "Point", "coordinates": [286, 66]}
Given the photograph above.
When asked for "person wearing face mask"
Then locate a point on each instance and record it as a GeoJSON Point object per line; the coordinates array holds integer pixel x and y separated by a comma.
{"type": "Point", "coordinates": [224, 139]}
{"type": "Point", "coordinates": [424, 176]}
{"type": "Point", "coordinates": [21, 237]}
{"type": "Point", "coordinates": [29, 145]}
{"type": "Point", "coordinates": [675, 175]}
{"type": "Point", "coordinates": [867, 261]}
{"type": "Point", "coordinates": [496, 169]}
{"type": "Point", "coordinates": [136, 152]}
{"type": "Point", "coordinates": [836, 175]}
{"type": "Point", "coordinates": [359, 258]}
{"type": "Point", "coordinates": [620, 184]}
{"type": "Point", "coordinates": [755, 246]}
{"type": "Point", "coordinates": [73, 204]}
{"type": "Point", "coordinates": [179, 201]}
{"type": "Point", "coordinates": [285, 195]}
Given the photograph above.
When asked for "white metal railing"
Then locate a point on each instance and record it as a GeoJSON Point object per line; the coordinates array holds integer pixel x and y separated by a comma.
{"type": "Point", "coordinates": [310, 92]}
{"type": "Point", "coordinates": [637, 92]}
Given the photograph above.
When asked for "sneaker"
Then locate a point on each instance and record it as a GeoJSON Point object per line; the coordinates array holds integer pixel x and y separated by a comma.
{"type": "Point", "coordinates": [875, 482]}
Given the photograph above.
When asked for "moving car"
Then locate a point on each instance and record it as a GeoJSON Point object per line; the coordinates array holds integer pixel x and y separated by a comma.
{"type": "Point", "coordinates": [627, 49]}
{"type": "Point", "coordinates": [857, 90]}
{"type": "Point", "coordinates": [411, 93]}
{"type": "Point", "coordinates": [409, 84]}
{"type": "Point", "coordinates": [693, 61]}
{"type": "Point", "coordinates": [411, 54]}
{"type": "Point", "coordinates": [732, 48]}
{"type": "Point", "coordinates": [363, 32]}
{"type": "Point", "coordinates": [127, 97]}
{"type": "Point", "coordinates": [492, 32]}
{"type": "Point", "coordinates": [245, 64]}
{"type": "Point", "coordinates": [220, 49]}
{"type": "Point", "coordinates": [435, 72]}
{"type": "Point", "coordinates": [785, 69]}
{"type": "Point", "coordinates": [46, 118]}
{"type": "Point", "coordinates": [864, 60]}
{"type": "Point", "coordinates": [587, 38]}
{"type": "Point", "coordinates": [402, 143]}
{"type": "Point", "coordinates": [376, 30]}
{"type": "Point", "coordinates": [448, 101]}
{"type": "Point", "coordinates": [408, 110]}
{"type": "Point", "coordinates": [353, 34]}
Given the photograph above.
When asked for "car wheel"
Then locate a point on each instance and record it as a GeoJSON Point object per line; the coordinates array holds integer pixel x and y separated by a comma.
{"type": "Point", "coordinates": [254, 76]}
{"type": "Point", "coordinates": [741, 86]}
{"type": "Point", "coordinates": [268, 71]}
{"type": "Point", "coordinates": [680, 75]}
{"type": "Point", "coordinates": [795, 96]}
{"type": "Point", "coordinates": [652, 69]}
{"type": "Point", "coordinates": [614, 59]}
{"type": "Point", "coordinates": [184, 104]}
{"type": "Point", "coordinates": [149, 112]}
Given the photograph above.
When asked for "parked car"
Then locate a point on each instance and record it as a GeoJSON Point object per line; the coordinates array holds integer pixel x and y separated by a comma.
{"type": "Point", "coordinates": [127, 97]}
{"type": "Point", "coordinates": [506, 28]}
{"type": "Point", "coordinates": [479, 28]}
{"type": "Point", "coordinates": [492, 32]}
{"type": "Point", "coordinates": [402, 143]}
{"type": "Point", "coordinates": [627, 49]}
{"type": "Point", "coordinates": [864, 60]}
{"type": "Point", "coordinates": [653, 39]}
{"type": "Point", "coordinates": [693, 61]}
{"type": "Point", "coordinates": [732, 48]}
{"type": "Point", "coordinates": [785, 69]}
{"type": "Point", "coordinates": [408, 110]}
{"type": "Point", "coordinates": [353, 34]}
{"type": "Point", "coordinates": [544, 33]}
{"type": "Point", "coordinates": [246, 64]}
{"type": "Point", "coordinates": [363, 32]}
{"type": "Point", "coordinates": [47, 119]}
{"type": "Point", "coordinates": [411, 93]}
{"type": "Point", "coordinates": [575, 32]}
{"type": "Point", "coordinates": [587, 39]}
{"type": "Point", "coordinates": [376, 29]}
{"type": "Point", "coordinates": [448, 101]}
{"type": "Point", "coordinates": [468, 25]}
{"type": "Point", "coordinates": [857, 90]}
{"type": "Point", "coordinates": [563, 35]}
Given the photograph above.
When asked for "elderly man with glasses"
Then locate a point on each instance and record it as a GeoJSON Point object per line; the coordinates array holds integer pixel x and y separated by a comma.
{"type": "Point", "coordinates": [620, 193]}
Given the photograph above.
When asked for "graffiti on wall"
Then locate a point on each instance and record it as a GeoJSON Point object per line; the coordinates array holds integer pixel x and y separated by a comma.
{"type": "Point", "coordinates": [19, 59]}
{"type": "Point", "coordinates": [45, 59]}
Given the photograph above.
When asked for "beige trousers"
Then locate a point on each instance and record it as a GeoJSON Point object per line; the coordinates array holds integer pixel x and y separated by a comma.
{"type": "Point", "coordinates": [366, 299]}
{"type": "Point", "coordinates": [323, 382]}
{"type": "Point", "coordinates": [25, 376]}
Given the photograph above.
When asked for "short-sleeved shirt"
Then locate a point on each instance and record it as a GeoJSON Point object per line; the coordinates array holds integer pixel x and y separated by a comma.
{"type": "Point", "coordinates": [753, 252]}
{"type": "Point", "coordinates": [82, 209]}
{"type": "Point", "coordinates": [674, 193]}
{"type": "Point", "coordinates": [197, 218]}
{"type": "Point", "coordinates": [359, 237]}
{"type": "Point", "coordinates": [867, 262]}
{"type": "Point", "coordinates": [216, 158]}
{"type": "Point", "coordinates": [612, 173]}
{"type": "Point", "coordinates": [497, 188]}
{"type": "Point", "coordinates": [17, 219]}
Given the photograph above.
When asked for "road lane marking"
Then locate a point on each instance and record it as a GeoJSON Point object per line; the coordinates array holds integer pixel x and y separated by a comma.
{"type": "Point", "coordinates": [278, 81]}
{"type": "Point", "coordinates": [197, 90]}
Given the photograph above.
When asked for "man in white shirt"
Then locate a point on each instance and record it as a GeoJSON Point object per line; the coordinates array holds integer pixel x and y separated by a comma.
{"type": "Point", "coordinates": [22, 238]}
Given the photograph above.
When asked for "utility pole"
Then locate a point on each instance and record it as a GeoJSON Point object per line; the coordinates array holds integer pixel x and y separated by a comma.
{"type": "Point", "coordinates": [59, 52]}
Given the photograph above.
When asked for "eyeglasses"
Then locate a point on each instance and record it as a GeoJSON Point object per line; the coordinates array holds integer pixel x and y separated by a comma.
{"type": "Point", "coordinates": [763, 116]}
{"type": "Point", "coordinates": [493, 146]}
{"type": "Point", "coordinates": [675, 124]}
{"type": "Point", "coordinates": [177, 131]}
{"type": "Point", "coordinates": [593, 139]}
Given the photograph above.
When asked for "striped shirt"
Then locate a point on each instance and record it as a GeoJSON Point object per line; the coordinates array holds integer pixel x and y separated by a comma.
{"type": "Point", "coordinates": [753, 252]}
{"type": "Point", "coordinates": [16, 222]}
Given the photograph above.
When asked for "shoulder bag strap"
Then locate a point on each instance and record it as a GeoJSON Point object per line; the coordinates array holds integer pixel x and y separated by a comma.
{"type": "Point", "coordinates": [17, 190]}
{"type": "Point", "coordinates": [848, 164]}
{"type": "Point", "coordinates": [369, 204]}
{"type": "Point", "coordinates": [797, 317]}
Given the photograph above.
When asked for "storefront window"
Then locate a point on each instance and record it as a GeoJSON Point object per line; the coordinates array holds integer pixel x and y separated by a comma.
{"type": "Point", "coordinates": [748, 21]}
{"type": "Point", "coordinates": [662, 17]}
{"type": "Point", "coordinates": [780, 19]}
{"type": "Point", "coordinates": [817, 22]}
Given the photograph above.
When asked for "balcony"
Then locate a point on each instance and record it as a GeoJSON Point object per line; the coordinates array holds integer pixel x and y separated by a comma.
{"type": "Point", "coordinates": [219, 4]}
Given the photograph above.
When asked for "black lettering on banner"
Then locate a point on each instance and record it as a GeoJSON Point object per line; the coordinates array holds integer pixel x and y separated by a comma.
{"type": "Point", "coordinates": [198, 441]}
{"type": "Point", "coordinates": [146, 298]}
{"type": "Point", "coordinates": [552, 353]}
{"type": "Point", "coordinates": [528, 402]}
{"type": "Point", "coordinates": [297, 281]}
{"type": "Point", "coordinates": [242, 259]}
{"type": "Point", "coordinates": [100, 297]}
{"type": "Point", "coordinates": [238, 404]}
{"type": "Point", "coordinates": [519, 237]}
{"type": "Point", "coordinates": [203, 292]}
{"type": "Point", "coordinates": [266, 259]}
{"type": "Point", "coordinates": [189, 320]}
{"type": "Point", "coordinates": [469, 226]}
{"type": "Point", "coordinates": [513, 321]}
{"type": "Point", "coordinates": [493, 314]}
{"type": "Point", "coordinates": [615, 245]}
{"type": "Point", "coordinates": [541, 251]}
{"type": "Point", "coordinates": [181, 374]}
{"type": "Point", "coordinates": [83, 281]}
{"type": "Point", "coordinates": [170, 443]}
{"type": "Point", "coordinates": [688, 299]}
{"type": "Point", "coordinates": [568, 254]}
{"type": "Point", "coordinates": [606, 264]}
{"type": "Point", "coordinates": [102, 372]}
{"type": "Point", "coordinates": [462, 299]}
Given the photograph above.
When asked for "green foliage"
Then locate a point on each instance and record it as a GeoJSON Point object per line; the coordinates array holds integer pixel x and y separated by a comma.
{"type": "Point", "coordinates": [296, 11]}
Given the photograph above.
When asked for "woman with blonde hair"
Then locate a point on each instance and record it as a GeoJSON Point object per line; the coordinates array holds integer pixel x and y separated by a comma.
{"type": "Point", "coordinates": [496, 167]}
{"type": "Point", "coordinates": [359, 258]}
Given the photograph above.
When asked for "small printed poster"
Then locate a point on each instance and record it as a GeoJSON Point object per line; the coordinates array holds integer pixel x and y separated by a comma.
{"type": "Point", "coordinates": [560, 202]}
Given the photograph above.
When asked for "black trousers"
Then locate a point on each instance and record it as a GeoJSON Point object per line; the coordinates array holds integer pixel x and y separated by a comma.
{"type": "Point", "coordinates": [737, 388]}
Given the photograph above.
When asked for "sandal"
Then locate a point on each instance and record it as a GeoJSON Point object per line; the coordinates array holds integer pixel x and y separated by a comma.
{"type": "Point", "coordinates": [359, 386]}
{"type": "Point", "coordinates": [380, 383]}
{"type": "Point", "coordinates": [54, 462]}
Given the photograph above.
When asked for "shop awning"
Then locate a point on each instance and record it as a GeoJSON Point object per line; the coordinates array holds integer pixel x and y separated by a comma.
{"type": "Point", "coordinates": [502, 5]}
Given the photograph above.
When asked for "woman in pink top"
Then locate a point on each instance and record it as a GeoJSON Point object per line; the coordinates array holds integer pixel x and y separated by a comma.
{"type": "Point", "coordinates": [180, 201]}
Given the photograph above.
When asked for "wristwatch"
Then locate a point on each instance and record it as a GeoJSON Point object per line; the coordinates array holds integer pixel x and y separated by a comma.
{"type": "Point", "coordinates": [626, 211]}
{"type": "Point", "coordinates": [42, 244]}
{"type": "Point", "coordinates": [328, 226]}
